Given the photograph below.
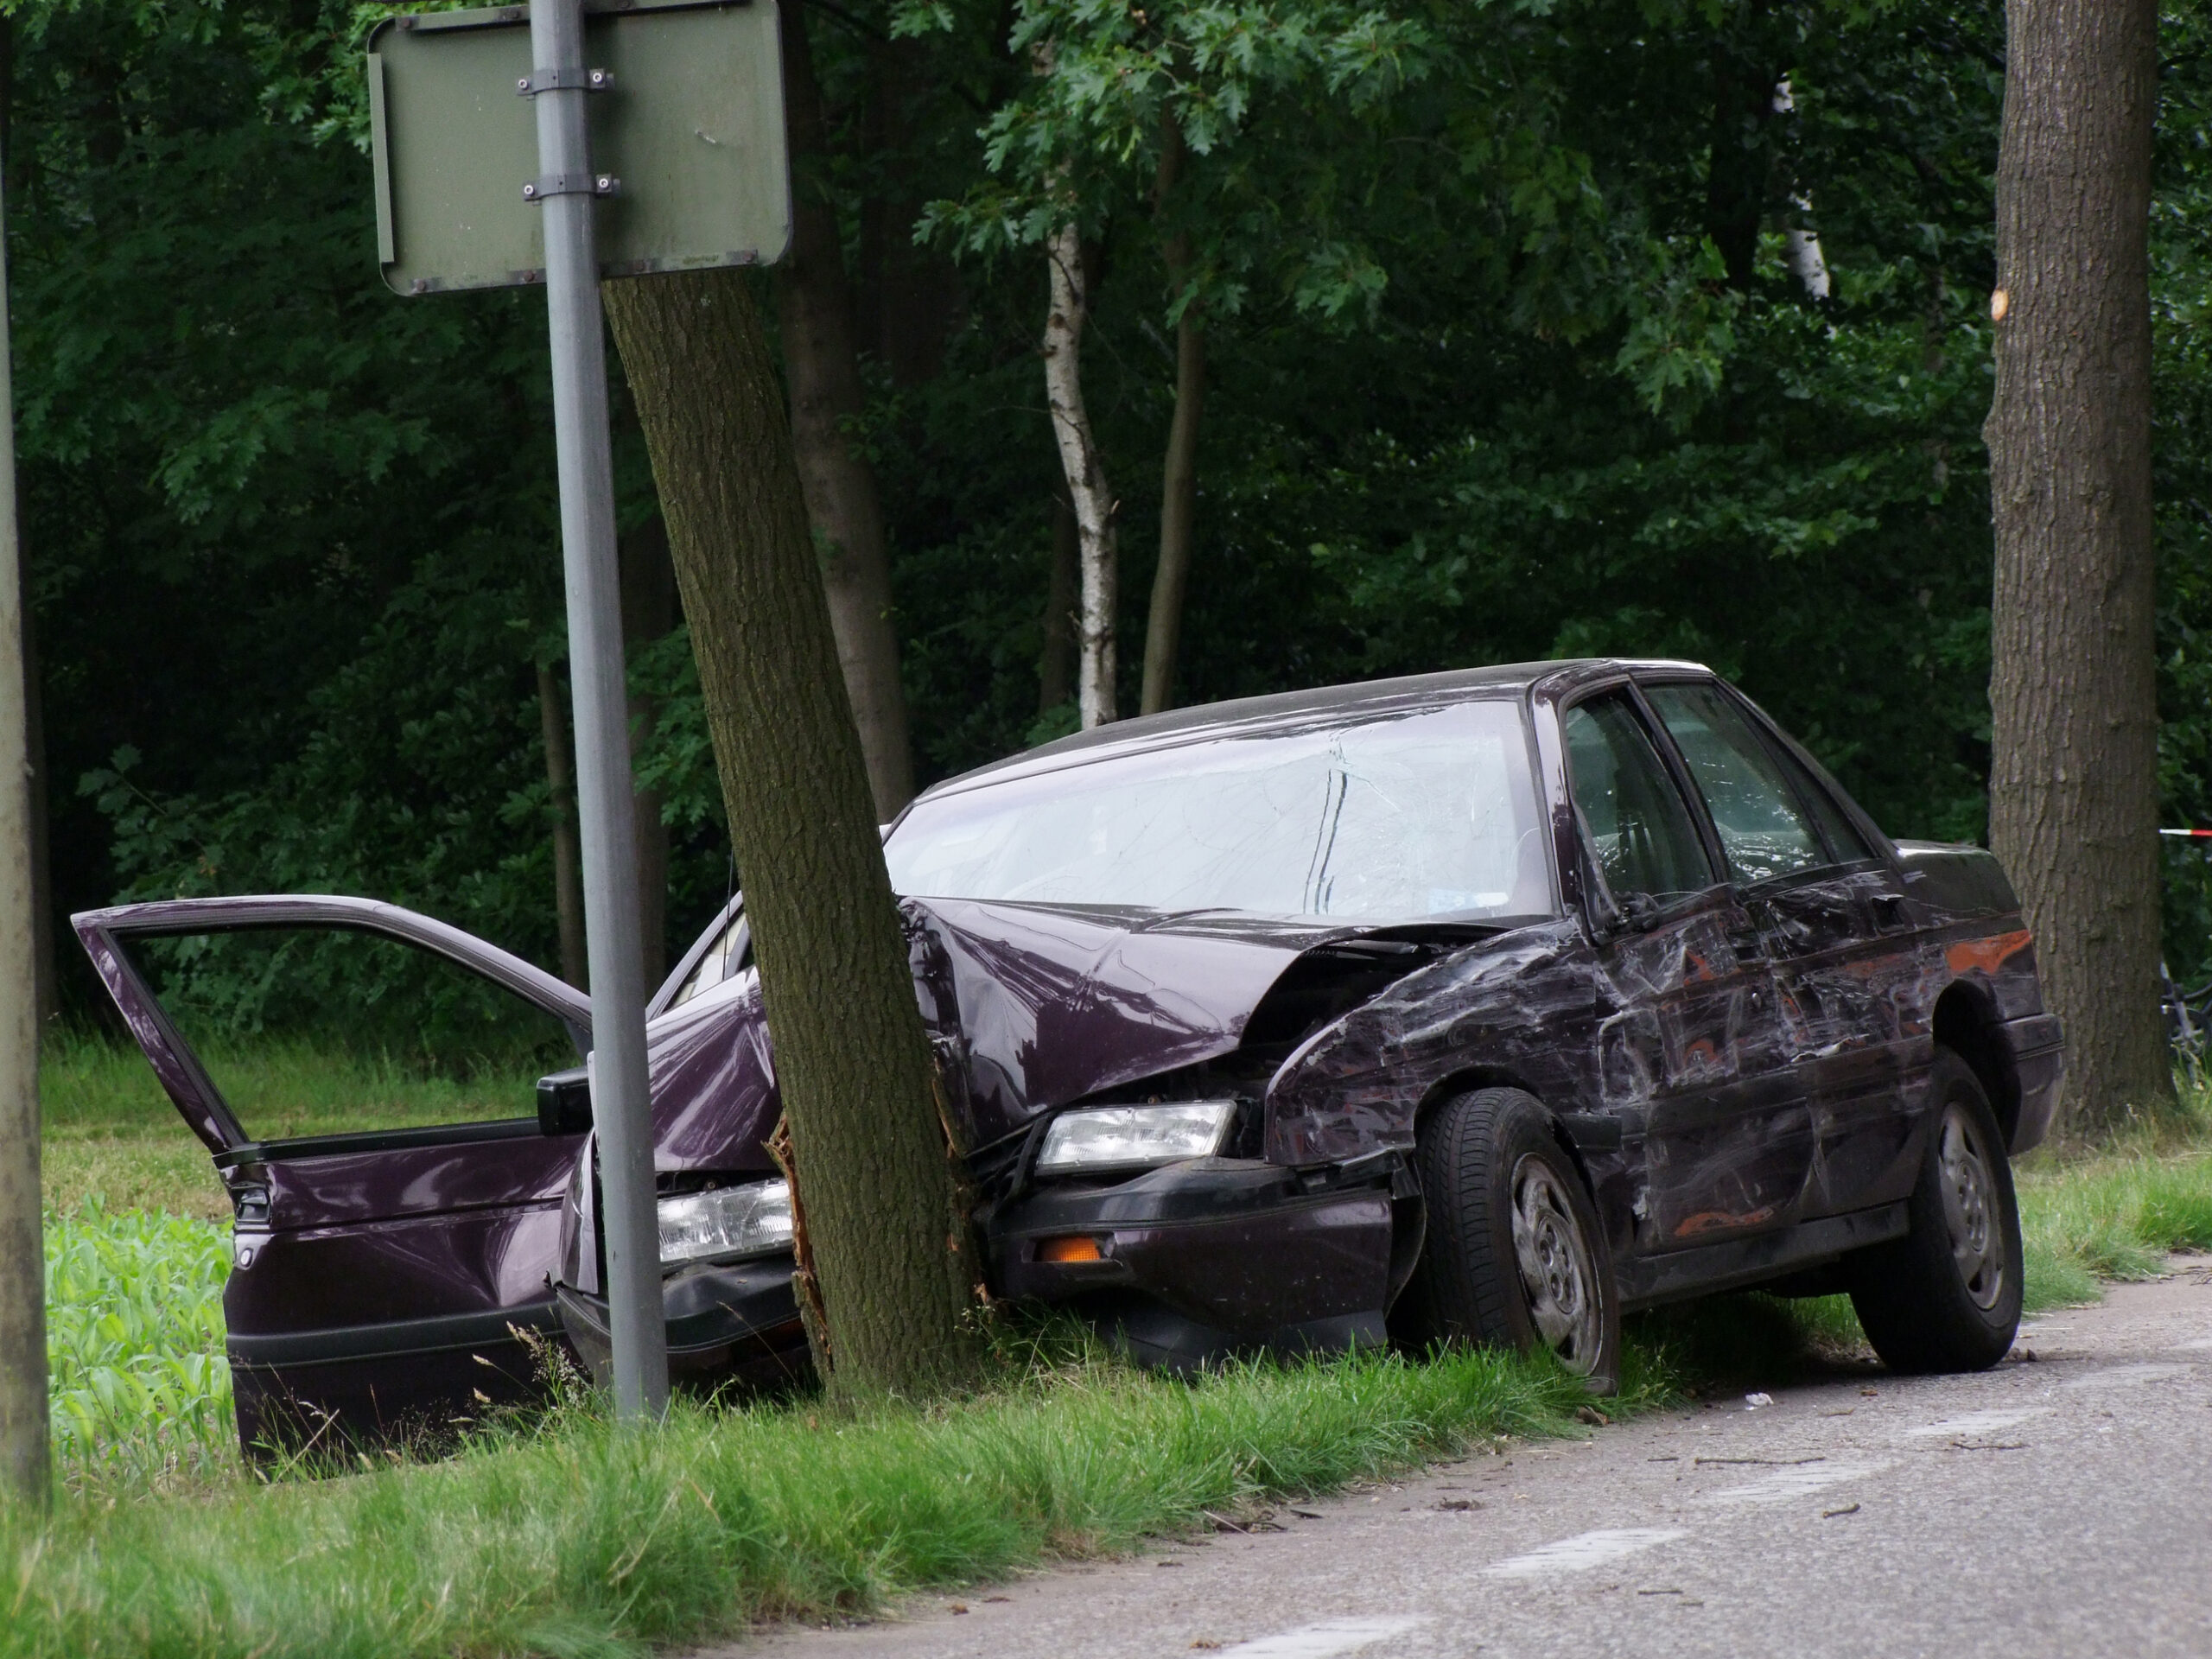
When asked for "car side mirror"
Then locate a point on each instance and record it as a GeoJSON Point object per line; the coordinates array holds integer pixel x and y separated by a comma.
{"type": "Point", "coordinates": [564, 1102]}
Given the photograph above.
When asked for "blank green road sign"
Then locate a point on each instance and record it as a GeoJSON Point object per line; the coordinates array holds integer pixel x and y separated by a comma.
{"type": "Point", "coordinates": [692, 126]}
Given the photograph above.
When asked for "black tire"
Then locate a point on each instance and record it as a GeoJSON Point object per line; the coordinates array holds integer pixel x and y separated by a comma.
{"type": "Point", "coordinates": [1946, 1296]}
{"type": "Point", "coordinates": [1487, 1159]}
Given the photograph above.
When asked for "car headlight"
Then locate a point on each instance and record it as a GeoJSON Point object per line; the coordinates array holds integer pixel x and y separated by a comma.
{"type": "Point", "coordinates": [1134, 1137]}
{"type": "Point", "coordinates": [749, 1220]}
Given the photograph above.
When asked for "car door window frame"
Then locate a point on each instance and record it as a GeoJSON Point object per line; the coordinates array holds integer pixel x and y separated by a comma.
{"type": "Point", "coordinates": [196, 1094]}
{"type": "Point", "coordinates": [1594, 876]}
{"type": "Point", "coordinates": [1795, 778]}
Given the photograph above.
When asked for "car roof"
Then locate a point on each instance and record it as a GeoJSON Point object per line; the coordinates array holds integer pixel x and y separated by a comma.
{"type": "Point", "coordinates": [1319, 706]}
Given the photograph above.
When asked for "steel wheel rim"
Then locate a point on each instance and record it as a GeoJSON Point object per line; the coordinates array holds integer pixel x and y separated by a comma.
{"type": "Point", "coordinates": [1970, 1210]}
{"type": "Point", "coordinates": [1558, 1278]}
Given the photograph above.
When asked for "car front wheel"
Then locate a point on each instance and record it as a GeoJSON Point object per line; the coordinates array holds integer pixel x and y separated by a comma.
{"type": "Point", "coordinates": [1946, 1296]}
{"type": "Point", "coordinates": [1513, 1255]}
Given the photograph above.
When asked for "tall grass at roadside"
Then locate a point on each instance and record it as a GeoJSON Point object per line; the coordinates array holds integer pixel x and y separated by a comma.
{"type": "Point", "coordinates": [581, 1539]}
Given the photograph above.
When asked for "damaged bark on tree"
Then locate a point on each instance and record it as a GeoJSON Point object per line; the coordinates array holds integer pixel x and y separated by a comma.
{"type": "Point", "coordinates": [1086, 470]}
{"type": "Point", "coordinates": [2074, 774]}
{"type": "Point", "coordinates": [814, 309]}
{"type": "Point", "coordinates": [886, 1228]}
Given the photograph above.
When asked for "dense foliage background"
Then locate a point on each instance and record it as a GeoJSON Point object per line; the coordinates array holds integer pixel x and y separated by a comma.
{"type": "Point", "coordinates": [1508, 361]}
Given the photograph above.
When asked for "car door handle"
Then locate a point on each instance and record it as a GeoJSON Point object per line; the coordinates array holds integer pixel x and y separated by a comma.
{"type": "Point", "coordinates": [1890, 912]}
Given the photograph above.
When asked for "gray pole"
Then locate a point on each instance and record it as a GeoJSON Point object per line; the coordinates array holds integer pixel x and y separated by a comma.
{"type": "Point", "coordinates": [23, 1450]}
{"type": "Point", "coordinates": [620, 1107]}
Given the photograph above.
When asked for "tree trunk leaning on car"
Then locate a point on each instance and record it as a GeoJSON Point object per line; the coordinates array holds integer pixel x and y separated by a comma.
{"type": "Point", "coordinates": [883, 1216]}
{"type": "Point", "coordinates": [2074, 783]}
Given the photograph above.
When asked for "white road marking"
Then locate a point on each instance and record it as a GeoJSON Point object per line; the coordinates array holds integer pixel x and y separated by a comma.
{"type": "Point", "coordinates": [2202, 1344]}
{"type": "Point", "coordinates": [2112, 1376]}
{"type": "Point", "coordinates": [1584, 1550]}
{"type": "Point", "coordinates": [1785, 1483]}
{"type": "Point", "coordinates": [1323, 1640]}
{"type": "Point", "coordinates": [1974, 1422]}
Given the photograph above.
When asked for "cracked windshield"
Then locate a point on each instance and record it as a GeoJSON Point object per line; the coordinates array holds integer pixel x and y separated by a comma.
{"type": "Point", "coordinates": [1427, 816]}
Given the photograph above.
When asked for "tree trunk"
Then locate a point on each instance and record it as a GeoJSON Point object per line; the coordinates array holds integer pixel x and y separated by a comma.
{"type": "Point", "coordinates": [2074, 785]}
{"type": "Point", "coordinates": [24, 1444]}
{"type": "Point", "coordinates": [1086, 474]}
{"type": "Point", "coordinates": [1178, 472]}
{"type": "Point", "coordinates": [1056, 662]}
{"type": "Point", "coordinates": [567, 867]}
{"type": "Point", "coordinates": [46, 964]}
{"type": "Point", "coordinates": [648, 613]}
{"type": "Point", "coordinates": [885, 1220]}
{"type": "Point", "coordinates": [813, 307]}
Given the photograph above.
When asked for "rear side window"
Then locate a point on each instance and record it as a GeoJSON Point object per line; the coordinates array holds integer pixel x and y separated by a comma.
{"type": "Point", "coordinates": [1640, 828]}
{"type": "Point", "coordinates": [1764, 830]}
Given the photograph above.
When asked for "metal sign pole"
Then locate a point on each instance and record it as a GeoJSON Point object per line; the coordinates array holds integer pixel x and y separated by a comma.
{"type": "Point", "coordinates": [565, 189]}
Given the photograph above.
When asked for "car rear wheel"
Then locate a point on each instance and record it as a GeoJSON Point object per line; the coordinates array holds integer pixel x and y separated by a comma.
{"type": "Point", "coordinates": [1946, 1296]}
{"type": "Point", "coordinates": [1513, 1255]}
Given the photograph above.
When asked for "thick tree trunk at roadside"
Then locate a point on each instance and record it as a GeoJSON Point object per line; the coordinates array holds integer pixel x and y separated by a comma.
{"type": "Point", "coordinates": [814, 308]}
{"type": "Point", "coordinates": [1178, 472]}
{"type": "Point", "coordinates": [1056, 660]}
{"type": "Point", "coordinates": [1086, 476]}
{"type": "Point", "coordinates": [884, 1218]}
{"type": "Point", "coordinates": [648, 613]}
{"type": "Point", "coordinates": [2073, 788]}
{"type": "Point", "coordinates": [567, 868]}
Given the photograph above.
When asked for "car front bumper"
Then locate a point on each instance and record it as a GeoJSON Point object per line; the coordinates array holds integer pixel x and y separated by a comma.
{"type": "Point", "coordinates": [1207, 1257]}
{"type": "Point", "coordinates": [735, 1323]}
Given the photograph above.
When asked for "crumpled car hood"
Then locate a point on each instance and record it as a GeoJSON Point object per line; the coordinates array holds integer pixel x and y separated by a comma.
{"type": "Point", "coordinates": [1051, 1003]}
{"type": "Point", "coordinates": [1037, 1005]}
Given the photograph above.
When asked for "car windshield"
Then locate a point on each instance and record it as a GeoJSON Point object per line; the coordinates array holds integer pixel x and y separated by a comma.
{"type": "Point", "coordinates": [1409, 817]}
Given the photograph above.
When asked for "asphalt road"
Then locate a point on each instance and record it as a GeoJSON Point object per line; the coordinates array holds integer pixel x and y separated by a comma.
{"type": "Point", "coordinates": [2059, 1505]}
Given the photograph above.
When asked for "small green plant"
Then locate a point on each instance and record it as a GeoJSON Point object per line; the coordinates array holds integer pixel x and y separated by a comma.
{"type": "Point", "coordinates": [140, 1389]}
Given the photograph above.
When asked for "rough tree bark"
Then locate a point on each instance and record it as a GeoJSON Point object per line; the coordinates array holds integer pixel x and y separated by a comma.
{"type": "Point", "coordinates": [814, 308]}
{"type": "Point", "coordinates": [884, 1216]}
{"type": "Point", "coordinates": [23, 1425]}
{"type": "Point", "coordinates": [2073, 788]}
{"type": "Point", "coordinates": [648, 611]}
{"type": "Point", "coordinates": [1086, 475]}
{"type": "Point", "coordinates": [567, 865]}
{"type": "Point", "coordinates": [1178, 472]}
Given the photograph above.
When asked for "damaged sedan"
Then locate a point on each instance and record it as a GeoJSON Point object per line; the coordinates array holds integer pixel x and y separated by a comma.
{"type": "Point", "coordinates": [1485, 1006]}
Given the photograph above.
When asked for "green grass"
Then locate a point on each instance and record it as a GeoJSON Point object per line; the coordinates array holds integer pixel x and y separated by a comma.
{"type": "Point", "coordinates": [579, 1538]}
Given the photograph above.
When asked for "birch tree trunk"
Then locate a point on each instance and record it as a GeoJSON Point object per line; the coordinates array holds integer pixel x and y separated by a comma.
{"type": "Point", "coordinates": [814, 308]}
{"type": "Point", "coordinates": [1086, 474]}
{"type": "Point", "coordinates": [2073, 788]}
{"type": "Point", "coordinates": [1178, 472]}
{"type": "Point", "coordinates": [889, 1233]}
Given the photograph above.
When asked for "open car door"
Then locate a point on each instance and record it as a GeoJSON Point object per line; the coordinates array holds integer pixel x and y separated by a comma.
{"type": "Point", "coordinates": [368, 1081]}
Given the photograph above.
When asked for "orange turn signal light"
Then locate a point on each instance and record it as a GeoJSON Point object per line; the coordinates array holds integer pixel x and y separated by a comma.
{"type": "Point", "coordinates": [1076, 1248]}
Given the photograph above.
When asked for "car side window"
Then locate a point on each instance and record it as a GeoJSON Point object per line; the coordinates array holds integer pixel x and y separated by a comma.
{"type": "Point", "coordinates": [1764, 831]}
{"type": "Point", "coordinates": [1640, 828]}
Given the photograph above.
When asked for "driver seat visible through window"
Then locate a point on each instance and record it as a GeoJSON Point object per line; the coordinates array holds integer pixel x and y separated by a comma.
{"type": "Point", "coordinates": [1641, 831]}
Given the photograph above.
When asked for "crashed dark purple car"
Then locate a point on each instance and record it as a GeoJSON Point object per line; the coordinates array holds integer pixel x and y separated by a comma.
{"type": "Point", "coordinates": [1484, 1005]}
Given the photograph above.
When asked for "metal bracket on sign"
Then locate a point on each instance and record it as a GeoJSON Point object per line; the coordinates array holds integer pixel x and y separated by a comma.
{"type": "Point", "coordinates": [561, 81]}
{"type": "Point", "coordinates": [572, 184]}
